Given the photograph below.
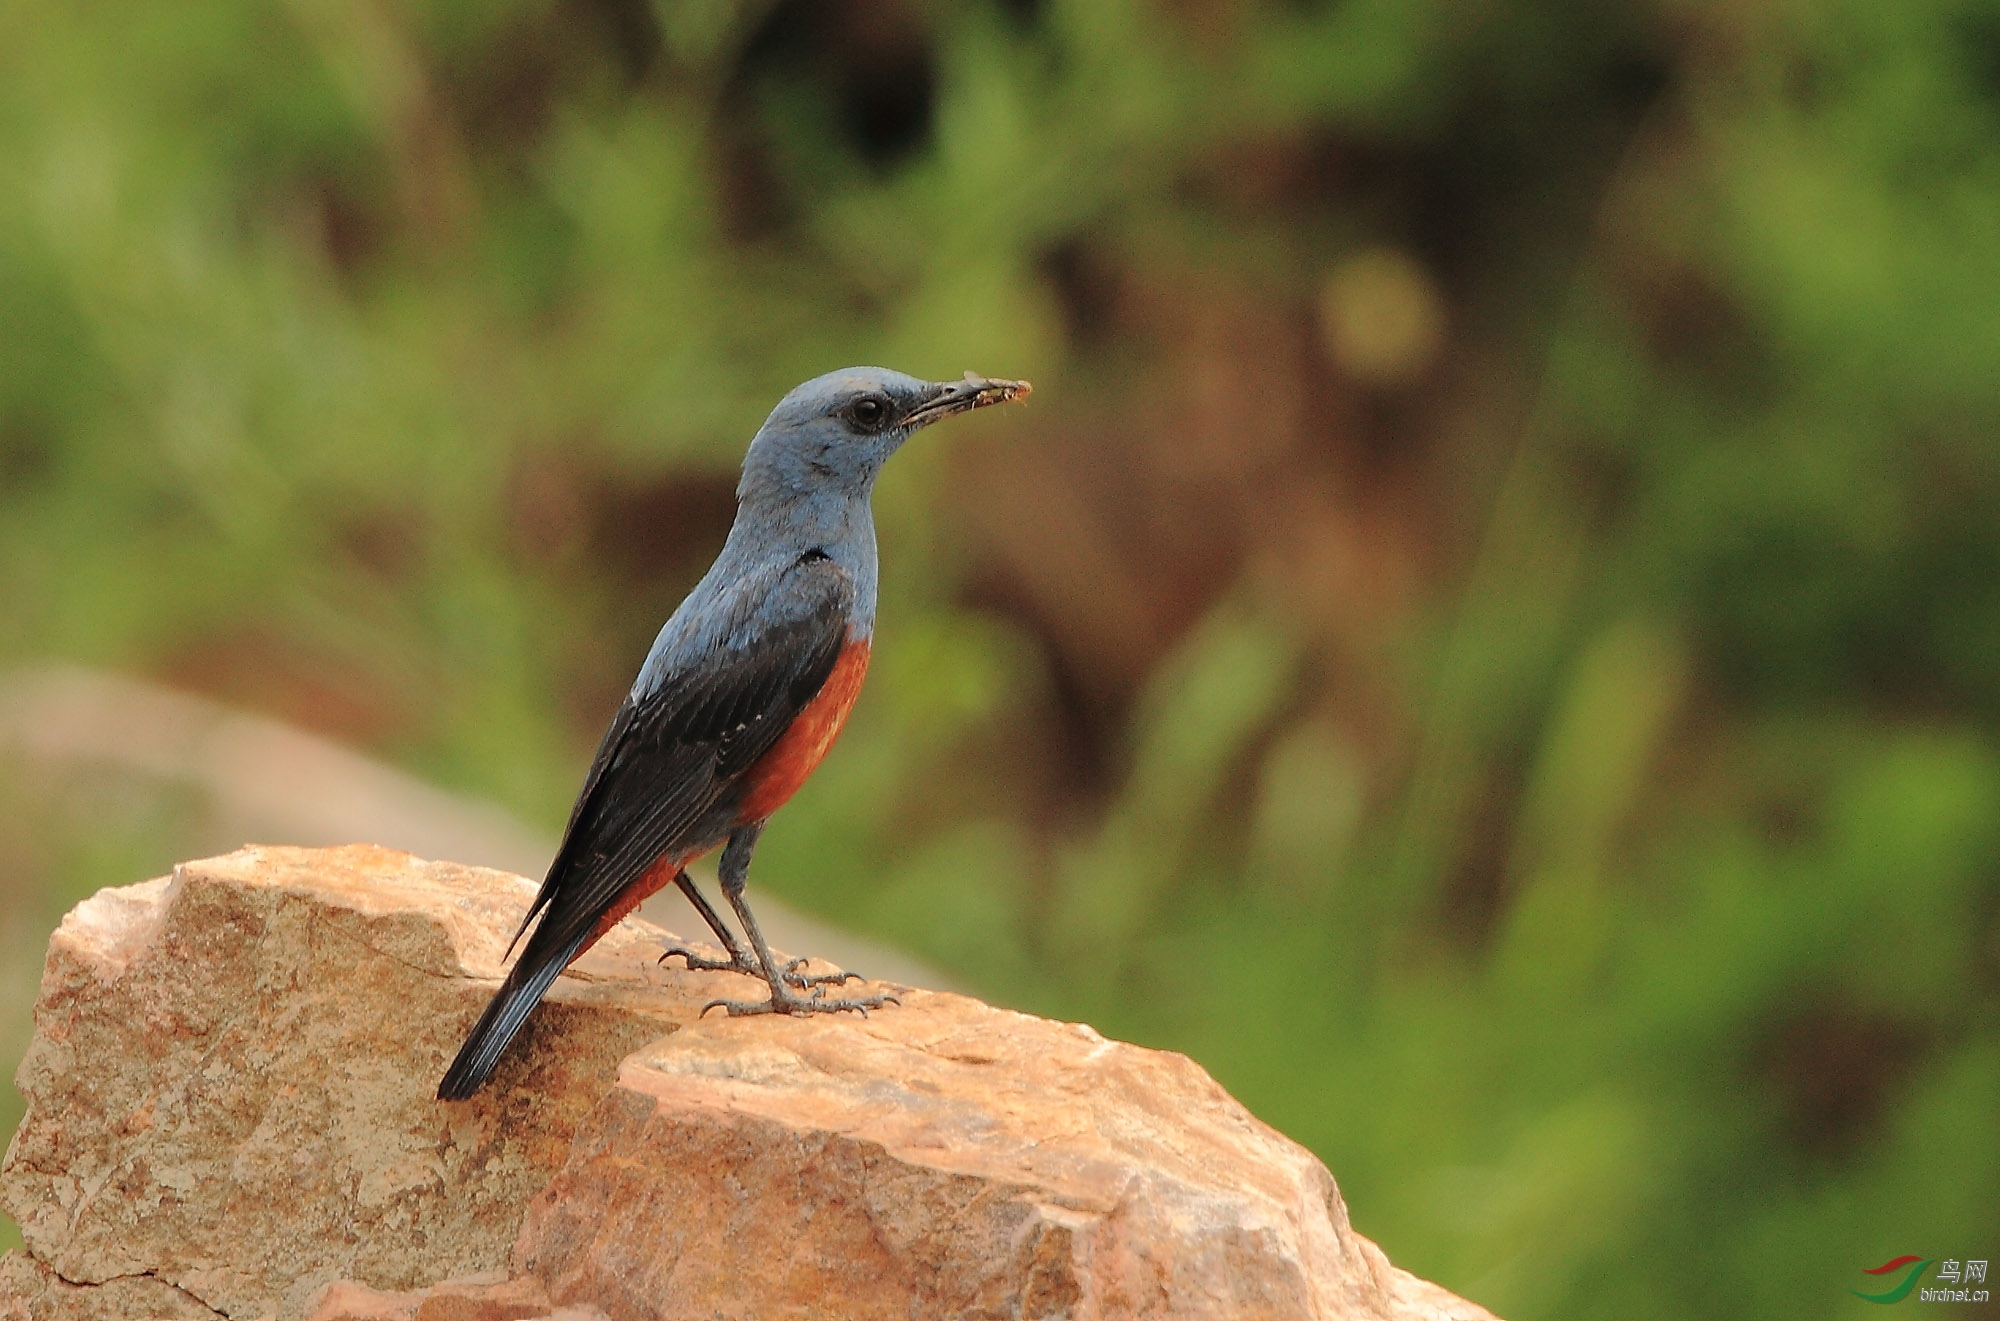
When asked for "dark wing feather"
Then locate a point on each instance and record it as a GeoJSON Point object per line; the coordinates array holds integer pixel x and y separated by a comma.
{"type": "Point", "coordinates": [672, 751]}
{"type": "Point", "coordinates": [607, 747]}
{"type": "Point", "coordinates": [684, 748]}
{"type": "Point", "coordinates": [671, 755]}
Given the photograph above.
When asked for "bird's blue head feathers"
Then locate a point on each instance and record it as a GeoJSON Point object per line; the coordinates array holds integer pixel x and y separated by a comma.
{"type": "Point", "coordinates": [831, 436]}
{"type": "Point", "coordinates": [805, 488]}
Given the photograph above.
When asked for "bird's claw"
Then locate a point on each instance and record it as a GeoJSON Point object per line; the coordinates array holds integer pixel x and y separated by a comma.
{"type": "Point", "coordinates": [745, 964]}
{"type": "Point", "coordinates": [702, 963]}
{"type": "Point", "coordinates": [803, 980]}
{"type": "Point", "coordinates": [816, 1003]}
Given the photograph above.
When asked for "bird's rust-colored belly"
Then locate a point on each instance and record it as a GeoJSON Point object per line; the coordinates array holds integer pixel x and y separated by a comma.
{"type": "Point", "coordinates": [779, 772]}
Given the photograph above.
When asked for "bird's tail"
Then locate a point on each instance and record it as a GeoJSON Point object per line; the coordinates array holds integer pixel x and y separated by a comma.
{"type": "Point", "coordinates": [516, 999]}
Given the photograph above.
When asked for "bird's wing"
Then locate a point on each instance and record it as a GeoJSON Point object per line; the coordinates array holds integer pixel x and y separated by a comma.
{"type": "Point", "coordinates": [682, 740]}
{"type": "Point", "coordinates": [678, 746]}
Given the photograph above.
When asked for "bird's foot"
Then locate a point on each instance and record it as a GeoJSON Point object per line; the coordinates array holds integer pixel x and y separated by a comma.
{"type": "Point", "coordinates": [804, 980]}
{"type": "Point", "coordinates": [786, 1002]}
{"type": "Point", "coordinates": [738, 961]}
{"type": "Point", "coordinates": [746, 963]}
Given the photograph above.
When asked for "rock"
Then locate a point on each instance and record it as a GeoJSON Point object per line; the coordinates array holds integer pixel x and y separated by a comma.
{"type": "Point", "coordinates": [946, 1159]}
{"type": "Point", "coordinates": [230, 1085]}
{"type": "Point", "coordinates": [30, 1291]}
{"type": "Point", "coordinates": [489, 1299]}
{"type": "Point", "coordinates": [230, 1111]}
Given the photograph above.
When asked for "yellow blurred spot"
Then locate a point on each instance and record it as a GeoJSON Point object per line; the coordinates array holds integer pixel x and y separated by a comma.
{"type": "Point", "coordinates": [1381, 317]}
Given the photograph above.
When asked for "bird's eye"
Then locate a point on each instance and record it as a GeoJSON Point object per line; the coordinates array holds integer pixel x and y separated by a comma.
{"type": "Point", "coordinates": [868, 413]}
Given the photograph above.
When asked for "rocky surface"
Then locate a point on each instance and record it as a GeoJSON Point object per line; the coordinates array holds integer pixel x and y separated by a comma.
{"type": "Point", "coordinates": [230, 1112]}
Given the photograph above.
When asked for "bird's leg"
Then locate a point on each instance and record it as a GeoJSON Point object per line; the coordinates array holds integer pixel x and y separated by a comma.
{"type": "Point", "coordinates": [735, 872]}
{"type": "Point", "coordinates": [739, 960]}
{"type": "Point", "coordinates": [740, 868]}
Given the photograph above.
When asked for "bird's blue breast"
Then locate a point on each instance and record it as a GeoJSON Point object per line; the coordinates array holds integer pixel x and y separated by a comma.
{"type": "Point", "coordinates": [752, 586]}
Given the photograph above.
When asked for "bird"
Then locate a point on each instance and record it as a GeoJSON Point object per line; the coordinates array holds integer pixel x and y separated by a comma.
{"type": "Point", "coordinates": [736, 703]}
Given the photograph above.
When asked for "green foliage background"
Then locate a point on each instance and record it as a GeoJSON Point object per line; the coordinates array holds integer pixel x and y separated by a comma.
{"type": "Point", "coordinates": [1556, 779]}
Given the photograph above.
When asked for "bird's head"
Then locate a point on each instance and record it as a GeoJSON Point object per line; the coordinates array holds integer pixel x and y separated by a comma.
{"type": "Point", "coordinates": [832, 435]}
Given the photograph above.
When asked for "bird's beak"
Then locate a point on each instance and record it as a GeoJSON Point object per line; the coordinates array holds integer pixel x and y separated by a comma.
{"type": "Point", "coordinates": [962, 397]}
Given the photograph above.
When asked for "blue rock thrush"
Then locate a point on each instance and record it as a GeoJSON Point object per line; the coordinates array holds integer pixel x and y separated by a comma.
{"type": "Point", "coordinates": [739, 698]}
